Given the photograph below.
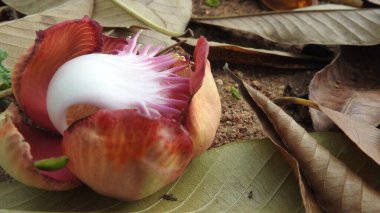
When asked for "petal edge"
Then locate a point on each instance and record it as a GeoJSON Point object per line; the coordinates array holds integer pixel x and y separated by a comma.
{"type": "Point", "coordinates": [54, 46]}
{"type": "Point", "coordinates": [121, 154]}
{"type": "Point", "coordinates": [16, 158]}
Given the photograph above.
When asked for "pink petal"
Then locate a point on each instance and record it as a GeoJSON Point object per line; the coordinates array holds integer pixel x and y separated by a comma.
{"type": "Point", "coordinates": [112, 45]}
{"type": "Point", "coordinates": [202, 119]}
{"type": "Point", "coordinates": [121, 154]}
{"type": "Point", "coordinates": [54, 46]}
{"type": "Point", "coordinates": [200, 60]}
{"type": "Point", "coordinates": [17, 156]}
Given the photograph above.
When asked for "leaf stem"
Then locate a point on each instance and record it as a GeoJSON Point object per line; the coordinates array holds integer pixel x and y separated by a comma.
{"type": "Point", "coordinates": [294, 100]}
{"type": "Point", "coordinates": [167, 49]}
{"type": "Point", "coordinates": [6, 92]}
{"type": "Point", "coordinates": [147, 21]}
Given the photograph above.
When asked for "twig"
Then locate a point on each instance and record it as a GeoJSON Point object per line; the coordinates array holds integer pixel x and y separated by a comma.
{"type": "Point", "coordinates": [6, 92]}
{"type": "Point", "coordinates": [167, 49]}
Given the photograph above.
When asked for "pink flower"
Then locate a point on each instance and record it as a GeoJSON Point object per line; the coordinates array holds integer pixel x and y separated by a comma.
{"type": "Point", "coordinates": [129, 121]}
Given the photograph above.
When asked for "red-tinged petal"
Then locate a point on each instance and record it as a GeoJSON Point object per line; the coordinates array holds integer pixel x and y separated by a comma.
{"type": "Point", "coordinates": [18, 151]}
{"type": "Point", "coordinates": [121, 154]}
{"type": "Point", "coordinates": [112, 45]}
{"type": "Point", "coordinates": [200, 60]}
{"type": "Point", "coordinates": [54, 46]}
{"type": "Point", "coordinates": [202, 119]}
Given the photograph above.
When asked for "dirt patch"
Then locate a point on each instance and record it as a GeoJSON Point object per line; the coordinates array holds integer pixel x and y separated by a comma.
{"type": "Point", "coordinates": [238, 121]}
{"type": "Point", "coordinates": [226, 7]}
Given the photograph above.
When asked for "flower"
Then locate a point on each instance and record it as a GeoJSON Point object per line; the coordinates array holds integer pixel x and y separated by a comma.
{"type": "Point", "coordinates": [129, 121]}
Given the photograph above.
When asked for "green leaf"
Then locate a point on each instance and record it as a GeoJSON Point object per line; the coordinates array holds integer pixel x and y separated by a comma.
{"type": "Point", "coordinates": [248, 176]}
{"type": "Point", "coordinates": [213, 3]}
{"type": "Point", "coordinates": [5, 74]}
{"type": "Point", "coordinates": [235, 92]}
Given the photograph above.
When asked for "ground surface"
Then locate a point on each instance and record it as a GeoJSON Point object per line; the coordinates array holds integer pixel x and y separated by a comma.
{"type": "Point", "coordinates": [238, 121]}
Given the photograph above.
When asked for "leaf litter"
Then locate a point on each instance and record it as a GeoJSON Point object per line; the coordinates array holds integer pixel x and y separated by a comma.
{"type": "Point", "coordinates": [274, 83]}
{"type": "Point", "coordinates": [333, 184]}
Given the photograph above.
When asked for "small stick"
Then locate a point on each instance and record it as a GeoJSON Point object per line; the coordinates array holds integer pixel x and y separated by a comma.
{"type": "Point", "coordinates": [167, 49]}
{"type": "Point", "coordinates": [6, 92]}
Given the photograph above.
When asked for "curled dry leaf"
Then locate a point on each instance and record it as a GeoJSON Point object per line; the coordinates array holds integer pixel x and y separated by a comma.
{"type": "Point", "coordinates": [336, 187]}
{"type": "Point", "coordinates": [287, 5]}
{"type": "Point", "coordinates": [365, 136]}
{"type": "Point", "coordinates": [321, 26]}
{"type": "Point", "coordinates": [222, 52]}
{"type": "Point", "coordinates": [348, 94]}
{"type": "Point", "coordinates": [8, 13]}
{"type": "Point", "coordinates": [349, 84]}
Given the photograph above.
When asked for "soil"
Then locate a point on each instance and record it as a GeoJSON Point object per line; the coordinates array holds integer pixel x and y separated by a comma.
{"type": "Point", "coordinates": [226, 8]}
{"type": "Point", "coordinates": [238, 121]}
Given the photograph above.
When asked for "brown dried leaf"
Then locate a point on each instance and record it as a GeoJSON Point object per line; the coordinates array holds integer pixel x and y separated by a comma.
{"type": "Point", "coordinates": [375, 2]}
{"type": "Point", "coordinates": [354, 3]}
{"type": "Point", "coordinates": [8, 13]}
{"type": "Point", "coordinates": [222, 52]}
{"type": "Point", "coordinates": [349, 84]}
{"type": "Point", "coordinates": [365, 136]}
{"type": "Point", "coordinates": [287, 5]}
{"type": "Point", "coordinates": [348, 94]}
{"type": "Point", "coordinates": [313, 26]}
{"type": "Point", "coordinates": [336, 187]}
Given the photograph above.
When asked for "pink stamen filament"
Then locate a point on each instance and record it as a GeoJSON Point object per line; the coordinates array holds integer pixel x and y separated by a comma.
{"type": "Point", "coordinates": [132, 79]}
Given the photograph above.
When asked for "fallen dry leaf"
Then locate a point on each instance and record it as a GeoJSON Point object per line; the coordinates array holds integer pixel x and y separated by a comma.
{"type": "Point", "coordinates": [349, 84]}
{"type": "Point", "coordinates": [287, 5]}
{"type": "Point", "coordinates": [221, 52]}
{"type": "Point", "coordinates": [365, 136]}
{"type": "Point", "coordinates": [166, 16]}
{"type": "Point", "coordinates": [343, 26]}
{"type": "Point", "coordinates": [336, 187]}
{"type": "Point", "coordinates": [353, 3]}
{"type": "Point", "coordinates": [16, 36]}
{"type": "Point", "coordinates": [375, 2]}
{"type": "Point", "coordinates": [33, 6]}
{"type": "Point", "coordinates": [8, 14]}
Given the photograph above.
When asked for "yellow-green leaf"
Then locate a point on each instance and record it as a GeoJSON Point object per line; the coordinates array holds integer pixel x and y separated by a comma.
{"type": "Point", "coordinates": [248, 176]}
